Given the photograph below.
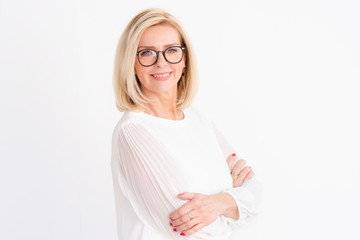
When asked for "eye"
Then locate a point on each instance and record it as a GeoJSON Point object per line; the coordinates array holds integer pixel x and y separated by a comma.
{"type": "Point", "coordinates": [172, 50]}
{"type": "Point", "coordinates": [145, 53]}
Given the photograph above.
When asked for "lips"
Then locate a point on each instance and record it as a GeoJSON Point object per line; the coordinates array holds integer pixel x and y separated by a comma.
{"type": "Point", "coordinates": [161, 76]}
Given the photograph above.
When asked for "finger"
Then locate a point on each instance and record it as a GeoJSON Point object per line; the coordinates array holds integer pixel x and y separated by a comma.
{"type": "Point", "coordinates": [241, 177]}
{"type": "Point", "coordinates": [187, 207]}
{"type": "Point", "coordinates": [234, 178]}
{"type": "Point", "coordinates": [193, 230]}
{"type": "Point", "coordinates": [236, 171]}
{"type": "Point", "coordinates": [180, 212]}
{"type": "Point", "coordinates": [186, 196]}
{"type": "Point", "coordinates": [244, 172]}
{"type": "Point", "coordinates": [238, 166]}
{"type": "Point", "coordinates": [249, 176]}
{"type": "Point", "coordinates": [187, 225]}
{"type": "Point", "coordinates": [230, 161]}
{"type": "Point", "coordinates": [185, 218]}
{"type": "Point", "coordinates": [180, 220]}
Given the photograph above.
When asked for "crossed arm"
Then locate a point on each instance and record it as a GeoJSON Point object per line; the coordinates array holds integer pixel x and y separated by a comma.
{"type": "Point", "coordinates": [141, 170]}
{"type": "Point", "coordinates": [202, 210]}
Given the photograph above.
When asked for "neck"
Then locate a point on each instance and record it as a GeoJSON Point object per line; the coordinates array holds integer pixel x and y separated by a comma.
{"type": "Point", "coordinates": [163, 106]}
{"type": "Point", "coordinates": [168, 112]}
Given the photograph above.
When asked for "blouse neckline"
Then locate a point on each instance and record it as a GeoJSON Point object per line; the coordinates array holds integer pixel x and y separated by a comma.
{"type": "Point", "coordinates": [162, 120]}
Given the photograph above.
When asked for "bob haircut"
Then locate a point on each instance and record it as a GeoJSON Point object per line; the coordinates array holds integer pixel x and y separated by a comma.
{"type": "Point", "coordinates": [127, 88]}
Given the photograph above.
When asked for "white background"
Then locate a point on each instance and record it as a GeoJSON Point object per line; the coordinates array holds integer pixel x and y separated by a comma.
{"type": "Point", "coordinates": [280, 79]}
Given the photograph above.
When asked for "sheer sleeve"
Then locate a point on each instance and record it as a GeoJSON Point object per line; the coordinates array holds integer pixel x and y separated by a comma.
{"type": "Point", "coordinates": [141, 169]}
{"type": "Point", "coordinates": [247, 196]}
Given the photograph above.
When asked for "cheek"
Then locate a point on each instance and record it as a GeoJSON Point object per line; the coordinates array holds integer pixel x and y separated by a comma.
{"type": "Point", "coordinates": [139, 70]}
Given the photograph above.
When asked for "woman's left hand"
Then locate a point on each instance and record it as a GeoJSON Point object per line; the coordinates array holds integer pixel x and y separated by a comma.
{"type": "Point", "coordinates": [200, 211]}
{"type": "Point", "coordinates": [238, 172]}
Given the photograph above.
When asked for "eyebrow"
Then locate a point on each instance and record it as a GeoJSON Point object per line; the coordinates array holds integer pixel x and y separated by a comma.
{"type": "Point", "coordinates": [166, 46]}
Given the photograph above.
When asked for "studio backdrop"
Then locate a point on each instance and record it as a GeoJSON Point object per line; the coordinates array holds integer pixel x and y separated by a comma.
{"type": "Point", "coordinates": [279, 78]}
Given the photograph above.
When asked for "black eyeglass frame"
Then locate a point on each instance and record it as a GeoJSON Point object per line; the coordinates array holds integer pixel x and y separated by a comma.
{"type": "Point", "coordinates": [157, 55]}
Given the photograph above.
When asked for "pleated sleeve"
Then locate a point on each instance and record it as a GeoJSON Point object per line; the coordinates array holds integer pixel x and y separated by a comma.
{"type": "Point", "coordinates": [248, 196]}
{"type": "Point", "coordinates": [142, 169]}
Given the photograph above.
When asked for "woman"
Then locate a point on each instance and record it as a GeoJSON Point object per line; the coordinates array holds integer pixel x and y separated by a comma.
{"type": "Point", "coordinates": [175, 176]}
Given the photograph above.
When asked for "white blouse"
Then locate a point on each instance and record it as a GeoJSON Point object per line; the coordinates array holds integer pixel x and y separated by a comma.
{"type": "Point", "coordinates": [154, 159]}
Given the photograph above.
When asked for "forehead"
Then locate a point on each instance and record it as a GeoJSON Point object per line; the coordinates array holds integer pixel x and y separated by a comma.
{"type": "Point", "coordinates": [159, 36]}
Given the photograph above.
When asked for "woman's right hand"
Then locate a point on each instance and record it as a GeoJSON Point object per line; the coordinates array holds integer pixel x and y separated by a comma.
{"type": "Point", "coordinates": [239, 173]}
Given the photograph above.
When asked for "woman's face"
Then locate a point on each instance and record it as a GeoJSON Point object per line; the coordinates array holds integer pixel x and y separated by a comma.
{"type": "Point", "coordinates": [161, 78]}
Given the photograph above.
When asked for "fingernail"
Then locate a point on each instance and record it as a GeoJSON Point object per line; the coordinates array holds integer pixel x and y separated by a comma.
{"type": "Point", "coordinates": [170, 224]}
{"type": "Point", "coordinates": [234, 154]}
{"type": "Point", "coordinates": [174, 229]}
{"type": "Point", "coordinates": [181, 194]}
{"type": "Point", "coordinates": [170, 218]}
{"type": "Point", "coordinates": [182, 234]}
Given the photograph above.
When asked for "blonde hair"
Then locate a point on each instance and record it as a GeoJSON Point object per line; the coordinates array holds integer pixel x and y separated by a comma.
{"type": "Point", "coordinates": [127, 89]}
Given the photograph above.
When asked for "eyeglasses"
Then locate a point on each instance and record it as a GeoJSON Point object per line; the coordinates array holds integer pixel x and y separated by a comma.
{"type": "Point", "coordinates": [148, 57]}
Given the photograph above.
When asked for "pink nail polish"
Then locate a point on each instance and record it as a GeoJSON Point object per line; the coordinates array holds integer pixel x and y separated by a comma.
{"type": "Point", "coordinates": [171, 224]}
{"type": "Point", "coordinates": [182, 234]}
{"type": "Point", "coordinates": [174, 229]}
{"type": "Point", "coordinates": [234, 154]}
{"type": "Point", "coordinates": [181, 194]}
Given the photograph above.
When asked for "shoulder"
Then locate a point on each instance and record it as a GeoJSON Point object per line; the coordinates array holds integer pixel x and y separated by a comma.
{"type": "Point", "coordinates": [125, 118]}
{"type": "Point", "coordinates": [199, 114]}
{"type": "Point", "coordinates": [129, 124]}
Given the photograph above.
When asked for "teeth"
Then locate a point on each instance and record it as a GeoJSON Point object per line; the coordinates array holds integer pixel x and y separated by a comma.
{"type": "Point", "coordinates": [162, 75]}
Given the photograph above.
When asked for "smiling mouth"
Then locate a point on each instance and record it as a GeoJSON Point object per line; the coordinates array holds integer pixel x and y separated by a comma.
{"type": "Point", "coordinates": [161, 76]}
